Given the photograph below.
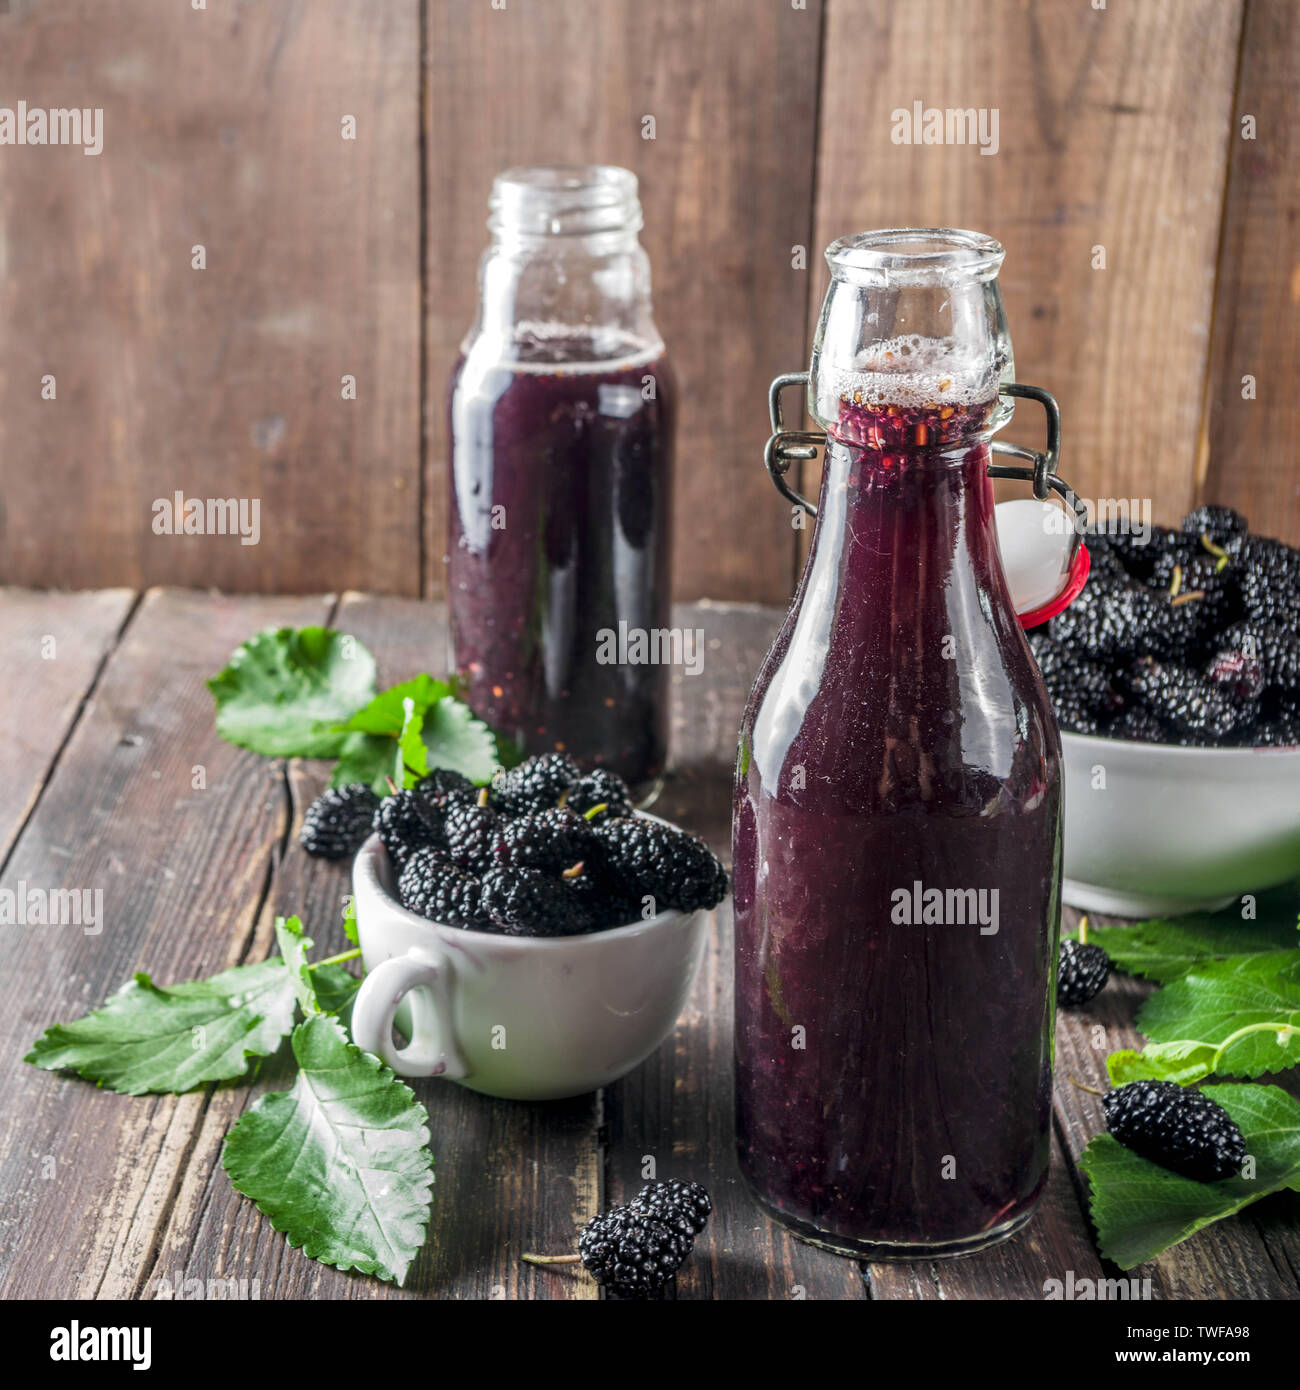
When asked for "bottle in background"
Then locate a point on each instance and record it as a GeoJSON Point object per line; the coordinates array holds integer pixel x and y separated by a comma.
{"type": "Point", "coordinates": [562, 416]}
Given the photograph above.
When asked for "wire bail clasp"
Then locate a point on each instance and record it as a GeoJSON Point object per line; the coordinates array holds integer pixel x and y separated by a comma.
{"type": "Point", "coordinates": [785, 447]}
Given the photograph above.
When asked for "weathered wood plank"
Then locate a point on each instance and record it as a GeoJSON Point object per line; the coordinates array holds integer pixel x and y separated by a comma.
{"type": "Point", "coordinates": [510, 1177]}
{"type": "Point", "coordinates": [54, 645]}
{"type": "Point", "coordinates": [726, 184]}
{"type": "Point", "coordinates": [86, 1175]}
{"type": "Point", "coordinates": [1103, 115]}
{"type": "Point", "coordinates": [222, 128]}
{"type": "Point", "coordinates": [111, 1197]}
{"type": "Point", "coordinates": [1249, 461]}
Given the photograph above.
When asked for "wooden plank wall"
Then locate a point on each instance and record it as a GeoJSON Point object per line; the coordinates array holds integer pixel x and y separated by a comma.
{"type": "Point", "coordinates": [1119, 127]}
{"type": "Point", "coordinates": [222, 128]}
{"type": "Point", "coordinates": [1112, 133]}
{"type": "Point", "coordinates": [1251, 443]}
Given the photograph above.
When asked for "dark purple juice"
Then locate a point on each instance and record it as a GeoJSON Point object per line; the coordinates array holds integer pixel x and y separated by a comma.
{"type": "Point", "coordinates": [561, 497]}
{"type": "Point", "coordinates": [893, 1052]}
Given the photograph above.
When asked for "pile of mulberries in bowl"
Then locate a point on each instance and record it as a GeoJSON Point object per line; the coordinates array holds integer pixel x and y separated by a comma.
{"type": "Point", "coordinates": [1187, 638]}
{"type": "Point", "coordinates": [545, 850]}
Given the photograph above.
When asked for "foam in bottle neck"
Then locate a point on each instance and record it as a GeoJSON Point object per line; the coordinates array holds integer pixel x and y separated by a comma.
{"type": "Point", "coordinates": [907, 371]}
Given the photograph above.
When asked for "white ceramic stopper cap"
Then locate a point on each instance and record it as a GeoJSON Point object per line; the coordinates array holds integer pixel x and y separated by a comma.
{"type": "Point", "coordinates": [1035, 540]}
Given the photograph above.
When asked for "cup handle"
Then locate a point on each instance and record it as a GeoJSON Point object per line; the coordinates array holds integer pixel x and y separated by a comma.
{"type": "Point", "coordinates": [433, 1049]}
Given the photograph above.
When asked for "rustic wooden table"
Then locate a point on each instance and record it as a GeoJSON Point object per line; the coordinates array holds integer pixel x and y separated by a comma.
{"type": "Point", "coordinates": [107, 725]}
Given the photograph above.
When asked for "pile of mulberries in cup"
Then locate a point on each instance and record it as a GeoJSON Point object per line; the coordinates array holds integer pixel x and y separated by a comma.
{"type": "Point", "coordinates": [1190, 638]}
{"type": "Point", "coordinates": [545, 850]}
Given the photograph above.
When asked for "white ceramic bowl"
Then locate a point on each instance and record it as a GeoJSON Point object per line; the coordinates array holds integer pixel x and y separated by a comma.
{"type": "Point", "coordinates": [1154, 829]}
{"type": "Point", "coordinates": [526, 1018]}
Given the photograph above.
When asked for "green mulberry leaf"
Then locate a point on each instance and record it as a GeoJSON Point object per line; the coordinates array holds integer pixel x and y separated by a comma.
{"type": "Point", "coordinates": [285, 692]}
{"type": "Point", "coordinates": [407, 730]}
{"type": "Point", "coordinates": [1247, 1006]}
{"type": "Point", "coordinates": [340, 1163]}
{"type": "Point", "coordinates": [148, 1038]}
{"type": "Point", "coordinates": [1166, 948]}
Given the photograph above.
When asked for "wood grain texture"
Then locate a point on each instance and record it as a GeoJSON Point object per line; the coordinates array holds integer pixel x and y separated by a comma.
{"type": "Point", "coordinates": [1118, 128]}
{"type": "Point", "coordinates": [222, 128]}
{"type": "Point", "coordinates": [108, 1196]}
{"type": "Point", "coordinates": [1250, 458]}
{"type": "Point", "coordinates": [53, 646]}
{"type": "Point", "coordinates": [86, 1175]}
{"type": "Point", "coordinates": [1113, 132]}
{"type": "Point", "coordinates": [727, 189]}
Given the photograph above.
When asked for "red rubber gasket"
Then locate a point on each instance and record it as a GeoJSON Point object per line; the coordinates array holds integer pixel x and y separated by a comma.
{"type": "Point", "coordinates": [1074, 587]}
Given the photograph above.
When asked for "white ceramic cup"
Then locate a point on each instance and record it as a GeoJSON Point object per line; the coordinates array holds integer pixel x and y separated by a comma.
{"type": "Point", "coordinates": [525, 1018]}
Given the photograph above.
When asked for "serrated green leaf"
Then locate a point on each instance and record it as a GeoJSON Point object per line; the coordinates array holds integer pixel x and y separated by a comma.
{"type": "Point", "coordinates": [152, 1039]}
{"type": "Point", "coordinates": [368, 758]}
{"type": "Point", "coordinates": [386, 732]}
{"type": "Point", "coordinates": [385, 714]}
{"type": "Point", "coordinates": [284, 692]}
{"type": "Point", "coordinates": [1246, 1007]}
{"type": "Point", "coordinates": [412, 755]}
{"type": "Point", "coordinates": [455, 739]}
{"type": "Point", "coordinates": [409, 729]}
{"type": "Point", "coordinates": [350, 922]}
{"type": "Point", "coordinates": [336, 991]}
{"type": "Point", "coordinates": [340, 1163]}
{"type": "Point", "coordinates": [509, 754]}
{"type": "Point", "coordinates": [1140, 1209]}
{"type": "Point", "coordinates": [324, 988]}
{"type": "Point", "coordinates": [294, 947]}
{"type": "Point", "coordinates": [1166, 948]}
{"type": "Point", "coordinates": [1184, 1062]}
{"type": "Point", "coordinates": [445, 735]}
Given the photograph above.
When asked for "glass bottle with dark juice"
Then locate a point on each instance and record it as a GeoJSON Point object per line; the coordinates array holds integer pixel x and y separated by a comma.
{"type": "Point", "coordinates": [562, 420]}
{"type": "Point", "coordinates": [897, 815]}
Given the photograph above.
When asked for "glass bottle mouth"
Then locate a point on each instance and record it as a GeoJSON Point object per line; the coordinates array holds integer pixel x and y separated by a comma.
{"type": "Point", "coordinates": [914, 256]}
{"type": "Point", "coordinates": [564, 200]}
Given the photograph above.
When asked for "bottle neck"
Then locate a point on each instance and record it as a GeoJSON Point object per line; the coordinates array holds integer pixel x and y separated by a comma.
{"type": "Point", "coordinates": [564, 298]}
{"type": "Point", "coordinates": [565, 278]}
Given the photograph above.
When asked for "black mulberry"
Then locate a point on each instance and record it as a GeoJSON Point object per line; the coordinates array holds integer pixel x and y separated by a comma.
{"type": "Point", "coordinates": [1220, 524]}
{"type": "Point", "coordinates": [677, 869]}
{"type": "Point", "coordinates": [535, 784]}
{"type": "Point", "coordinates": [1177, 1127]}
{"type": "Point", "coordinates": [600, 788]}
{"type": "Point", "coordinates": [631, 1253]}
{"type": "Point", "coordinates": [339, 821]}
{"type": "Point", "coordinates": [1186, 700]}
{"type": "Point", "coordinates": [435, 888]}
{"type": "Point", "coordinates": [525, 902]}
{"type": "Point", "coordinates": [683, 1205]}
{"type": "Point", "coordinates": [1081, 973]}
{"type": "Point", "coordinates": [552, 840]}
{"type": "Point", "coordinates": [470, 830]}
{"type": "Point", "coordinates": [404, 825]}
